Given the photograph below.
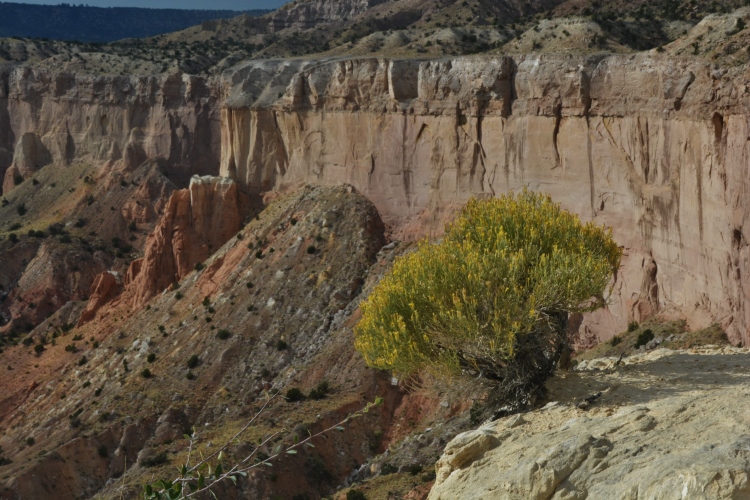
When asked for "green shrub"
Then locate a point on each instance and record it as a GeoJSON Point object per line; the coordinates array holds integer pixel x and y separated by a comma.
{"type": "Point", "coordinates": [17, 179]}
{"type": "Point", "coordinates": [320, 391]}
{"type": "Point", "coordinates": [193, 361]}
{"type": "Point", "coordinates": [415, 469]}
{"type": "Point", "coordinates": [30, 441]}
{"type": "Point", "coordinates": [151, 357]}
{"type": "Point", "coordinates": [294, 394]}
{"type": "Point", "coordinates": [493, 298]}
{"type": "Point", "coordinates": [355, 495]}
{"type": "Point", "coordinates": [387, 469]}
{"type": "Point", "coordinates": [82, 361]}
{"type": "Point", "coordinates": [159, 459]}
{"type": "Point", "coordinates": [146, 373]}
{"type": "Point", "coordinates": [223, 334]}
{"type": "Point", "coordinates": [39, 349]}
{"type": "Point", "coordinates": [281, 345]}
{"type": "Point", "coordinates": [102, 450]}
{"type": "Point", "coordinates": [311, 249]}
{"type": "Point", "coordinates": [21, 209]}
{"type": "Point", "coordinates": [644, 338]}
{"type": "Point", "coordinates": [615, 340]}
{"type": "Point", "coordinates": [632, 326]}
{"type": "Point", "coordinates": [190, 376]}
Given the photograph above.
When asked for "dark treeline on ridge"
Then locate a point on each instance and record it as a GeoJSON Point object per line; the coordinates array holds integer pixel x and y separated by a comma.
{"type": "Point", "coordinates": [96, 24]}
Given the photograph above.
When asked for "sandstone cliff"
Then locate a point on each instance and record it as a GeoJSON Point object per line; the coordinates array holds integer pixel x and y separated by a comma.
{"type": "Point", "coordinates": [117, 120]}
{"type": "Point", "coordinates": [654, 147]}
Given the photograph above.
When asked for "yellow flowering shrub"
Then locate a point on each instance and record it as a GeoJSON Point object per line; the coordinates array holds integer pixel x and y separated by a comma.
{"type": "Point", "coordinates": [497, 288]}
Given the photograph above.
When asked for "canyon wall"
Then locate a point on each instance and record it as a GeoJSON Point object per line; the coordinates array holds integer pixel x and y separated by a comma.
{"type": "Point", "coordinates": [116, 120]}
{"type": "Point", "coordinates": [655, 148]}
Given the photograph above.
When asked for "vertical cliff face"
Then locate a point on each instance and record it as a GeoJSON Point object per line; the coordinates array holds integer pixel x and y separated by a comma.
{"type": "Point", "coordinates": [115, 120]}
{"type": "Point", "coordinates": [655, 148]}
{"type": "Point", "coordinates": [6, 148]}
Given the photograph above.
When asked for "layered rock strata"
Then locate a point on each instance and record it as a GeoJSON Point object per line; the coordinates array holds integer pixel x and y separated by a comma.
{"type": "Point", "coordinates": [114, 120]}
{"type": "Point", "coordinates": [655, 148]}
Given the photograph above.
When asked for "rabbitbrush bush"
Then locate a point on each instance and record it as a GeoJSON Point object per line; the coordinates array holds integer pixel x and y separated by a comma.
{"type": "Point", "coordinates": [493, 297]}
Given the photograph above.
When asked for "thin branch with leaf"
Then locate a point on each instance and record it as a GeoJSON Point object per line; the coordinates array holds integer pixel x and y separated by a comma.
{"type": "Point", "coordinates": [202, 476]}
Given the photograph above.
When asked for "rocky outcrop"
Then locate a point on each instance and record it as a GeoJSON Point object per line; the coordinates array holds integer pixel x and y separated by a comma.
{"type": "Point", "coordinates": [51, 275]}
{"type": "Point", "coordinates": [259, 301]}
{"type": "Point", "coordinates": [196, 222]}
{"type": "Point", "coordinates": [115, 120]}
{"type": "Point", "coordinates": [308, 14]}
{"type": "Point", "coordinates": [105, 287]}
{"type": "Point", "coordinates": [661, 426]}
{"type": "Point", "coordinates": [654, 147]}
{"type": "Point", "coordinates": [30, 155]}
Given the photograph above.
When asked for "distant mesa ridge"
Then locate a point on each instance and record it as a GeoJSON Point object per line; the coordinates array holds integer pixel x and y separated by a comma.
{"type": "Point", "coordinates": [97, 24]}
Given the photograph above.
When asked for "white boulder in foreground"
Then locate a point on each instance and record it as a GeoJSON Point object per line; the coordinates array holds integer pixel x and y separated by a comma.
{"type": "Point", "coordinates": [669, 424]}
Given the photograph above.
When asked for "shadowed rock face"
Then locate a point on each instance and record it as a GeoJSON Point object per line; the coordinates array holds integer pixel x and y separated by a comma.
{"type": "Point", "coordinates": [653, 147]}
{"type": "Point", "coordinates": [115, 121]}
{"type": "Point", "coordinates": [105, 287]}
{"type": "Point", "coordinates": [30, 155]}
